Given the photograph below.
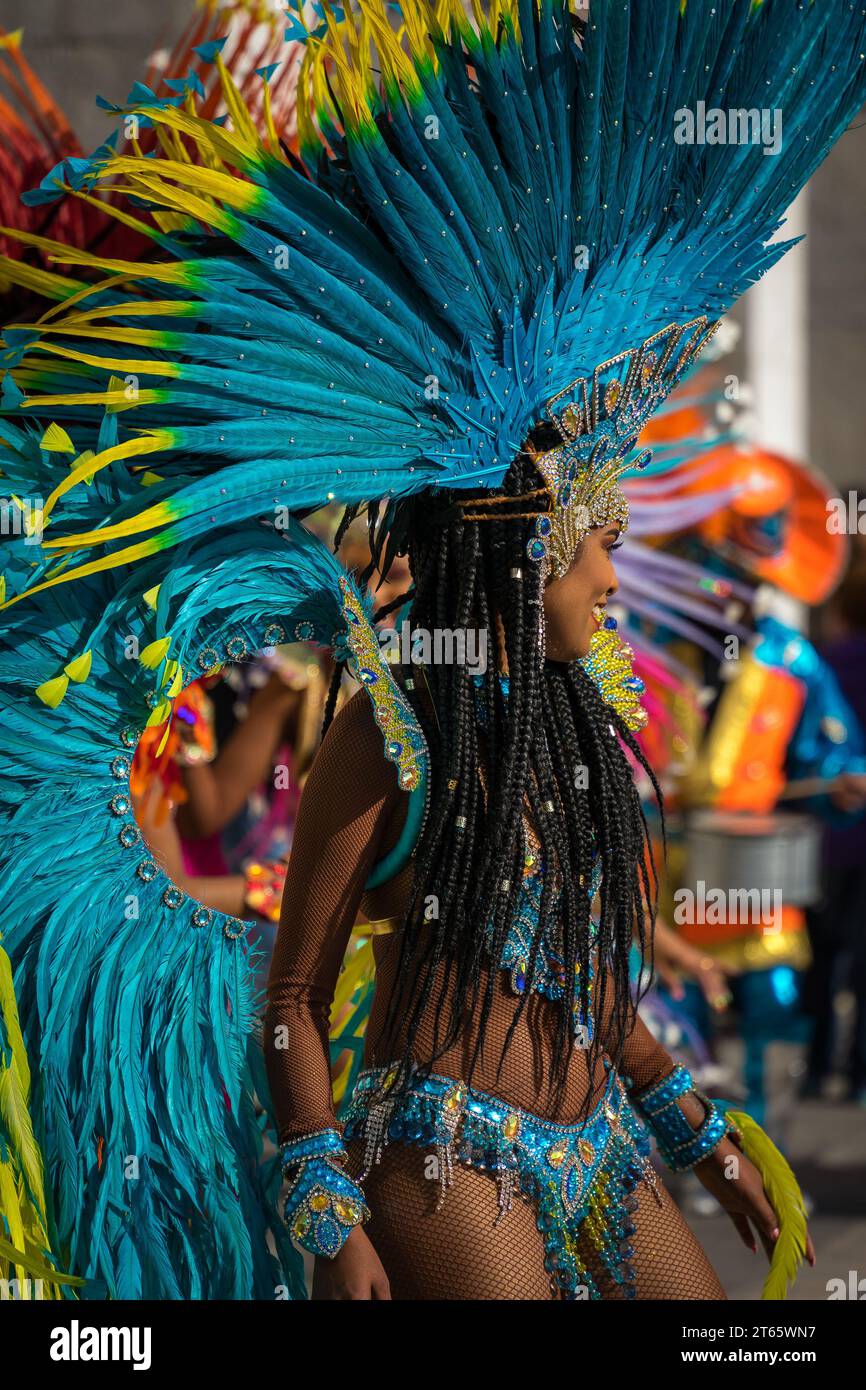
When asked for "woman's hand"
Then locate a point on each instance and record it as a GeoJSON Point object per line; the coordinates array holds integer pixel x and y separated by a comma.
{"type": "Point", "coordinates": [675, 958]}
{"type": "Point", "coordinates": [736, 1184]}
{"type": "Point", "coordinates": [355, 1272]}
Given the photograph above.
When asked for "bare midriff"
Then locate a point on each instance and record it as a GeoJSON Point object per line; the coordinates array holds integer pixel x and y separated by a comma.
{"type": "Point", "coordinates": [523, 1078]}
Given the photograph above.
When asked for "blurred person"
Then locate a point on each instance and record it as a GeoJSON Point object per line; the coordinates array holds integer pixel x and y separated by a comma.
{"type": "Point", "coordinates": [779, 734]}
{"type": "Point", "coordinates": [837, 925]}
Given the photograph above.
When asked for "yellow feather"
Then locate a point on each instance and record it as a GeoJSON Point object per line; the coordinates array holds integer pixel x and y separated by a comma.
{"type": "Point", "coordinates": [173, 678]}
{"type": "Point", "coordinates": [161, 308]}
{"type": "Point", "coordinates": [85, 292]}
{"type": "Point", "coordinates": [44, 283]}
{"type": "Point", "coordinates": [70, 255]}
{"type": "Point", "coordinates": [50, 692]}
{"type": "Point", "coordinates": [112, 400]}
{"type": "Point", "coordinates": [79, 669]}
{"type": "Point", "coordinates": [132, 365]}
{"type": "Point", "coordinates": [145, 444]}
{"type": "Point", "coordinates": [786, 1199]}
{"type": "Point", "coordinates": [129, 556]}
{"type": "Point", "coordinates": [157, 515]}
{"type": "Point", "coordinates": [241, 119]}
{"type": "Point", "coordinates": [38, 1269]}
{"type": "Point", "coordinates": [10, 1205]}
{"type": "Point", "coordinates": [148, 182]}
{"type": "Point", "coordinates": [159, 715]}
{"type": "Point", "coordinates": [24, 1215]}
{"type": "Point", "coordinates": [154, 653]}
{"type": "Point", "coordinates": [135, 224]}
{"type": "Point", "coordinates": [82, 458]}
{"type": "Point", "coordinates": [55, 440]}
{"type": "Point", "coordinates": [273, 138]}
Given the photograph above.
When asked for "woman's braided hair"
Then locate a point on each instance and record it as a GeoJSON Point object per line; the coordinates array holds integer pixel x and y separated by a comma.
{"type": "Point", "coordinates": [553, 743]}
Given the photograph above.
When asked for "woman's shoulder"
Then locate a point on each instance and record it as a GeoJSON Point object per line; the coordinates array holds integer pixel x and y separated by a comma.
{"type": "Point", "coordinates": [354, 743]}
{"type": "Point", "coordinates": [355, 736]}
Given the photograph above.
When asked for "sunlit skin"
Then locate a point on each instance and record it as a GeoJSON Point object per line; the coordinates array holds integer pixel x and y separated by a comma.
{"type": "Point", "coordinates": [569, 602]}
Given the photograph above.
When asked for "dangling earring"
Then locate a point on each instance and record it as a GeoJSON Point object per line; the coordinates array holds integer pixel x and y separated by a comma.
{"type": "Point", "coordinates": [538, 603]}
{"type": "Point", "coordinates": [542, 630]}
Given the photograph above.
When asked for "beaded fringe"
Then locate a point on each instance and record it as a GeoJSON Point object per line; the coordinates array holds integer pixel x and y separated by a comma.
{"type": "Point", "coordinates": [603, 1221]}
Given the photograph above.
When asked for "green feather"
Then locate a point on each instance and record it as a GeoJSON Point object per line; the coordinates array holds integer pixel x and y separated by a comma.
{"type": "Point", "coordinates": [786, 1199]}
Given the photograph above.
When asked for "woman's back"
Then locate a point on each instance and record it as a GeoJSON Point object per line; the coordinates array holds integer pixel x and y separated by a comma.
{"type": "Point", "coordinates": [351, 815]}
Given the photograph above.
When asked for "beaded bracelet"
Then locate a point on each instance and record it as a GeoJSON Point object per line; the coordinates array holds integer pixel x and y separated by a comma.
{"type": "Point", "coordinates": [323, 1203]}
{"type": "Point", "coordinates": [680, 1145]}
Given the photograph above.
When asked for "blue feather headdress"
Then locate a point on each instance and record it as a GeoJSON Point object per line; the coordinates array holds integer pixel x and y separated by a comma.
{"type": "Point", "coordinates": [503, 214]}
{"type": "Point", "coordinates": [505, 210]}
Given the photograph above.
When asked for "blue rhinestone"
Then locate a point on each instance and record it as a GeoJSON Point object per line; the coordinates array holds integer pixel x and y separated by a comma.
{"type": "Point", "coordinates": [328, 1235]}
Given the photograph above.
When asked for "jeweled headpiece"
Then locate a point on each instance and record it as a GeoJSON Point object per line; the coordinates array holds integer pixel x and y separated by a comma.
{"type": "Point", "coordinates": [598, 419]}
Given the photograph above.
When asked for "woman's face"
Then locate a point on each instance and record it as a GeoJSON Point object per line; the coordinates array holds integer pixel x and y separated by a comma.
{"type": "Point", "coordinates": [569, 602]}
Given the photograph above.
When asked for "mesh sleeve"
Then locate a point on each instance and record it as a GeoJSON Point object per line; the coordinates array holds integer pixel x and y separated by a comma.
{"type": "Point", "coordinates": [347, 810]}
{"type": "Point", "coordinates": [643, 1060]}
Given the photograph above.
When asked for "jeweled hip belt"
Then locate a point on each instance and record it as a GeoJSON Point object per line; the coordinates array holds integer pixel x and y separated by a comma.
{"type": "Point", "coordinates": [577, 1175]}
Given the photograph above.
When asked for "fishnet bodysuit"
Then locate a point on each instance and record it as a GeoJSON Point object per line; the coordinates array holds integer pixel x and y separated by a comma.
{"type": "Point", "coordinates": [351, 814]}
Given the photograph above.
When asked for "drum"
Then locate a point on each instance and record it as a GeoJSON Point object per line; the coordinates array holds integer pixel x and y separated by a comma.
{"type": "Point", "coordinates": [740, 851]}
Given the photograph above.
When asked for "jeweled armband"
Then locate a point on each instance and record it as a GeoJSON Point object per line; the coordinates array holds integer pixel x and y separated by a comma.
{"type": "Point", "coordinates": [323, 1203]}
{"type": "Point", "coordinates": [681, 1147]}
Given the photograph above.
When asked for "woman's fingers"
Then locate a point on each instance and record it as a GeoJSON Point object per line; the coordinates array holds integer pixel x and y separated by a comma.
{"type": "Point", "coordinates": [810, 1250]}
{"type": "Point", "coordinates": [742, 1224]}
{"type": "Point", "coordinates": [763, 1215]}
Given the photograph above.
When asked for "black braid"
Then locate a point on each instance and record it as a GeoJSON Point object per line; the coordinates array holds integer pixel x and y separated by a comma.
{"type": "Point", "coordinates": [553, 723]}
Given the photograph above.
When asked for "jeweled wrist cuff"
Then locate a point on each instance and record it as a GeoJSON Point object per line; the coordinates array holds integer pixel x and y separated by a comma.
{"type": "Point", "coordinates": [323, 1202]}
{"type": "Point", "coordinates": [680, 1145]}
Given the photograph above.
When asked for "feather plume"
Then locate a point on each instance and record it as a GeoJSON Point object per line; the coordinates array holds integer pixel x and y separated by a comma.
{"type": "Point", "coordinates": [786, 1200]}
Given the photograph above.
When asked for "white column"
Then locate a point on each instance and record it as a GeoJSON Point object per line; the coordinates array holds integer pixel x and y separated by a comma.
{"type": "Point", "coordinates": [777, 362]}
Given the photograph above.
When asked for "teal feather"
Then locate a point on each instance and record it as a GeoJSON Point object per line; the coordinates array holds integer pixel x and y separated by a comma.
{"type": "Point", "coordinates": [142, 1028]}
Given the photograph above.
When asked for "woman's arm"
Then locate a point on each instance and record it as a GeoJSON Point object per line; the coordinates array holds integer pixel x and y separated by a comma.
{"type": "Point", "coordinates": [223, 892]}
{"type": "Point", "coordinates": [217, 791]}
{"type": "Point", "coordinates": [346, 809]}
{"type": "Point", "coordinates": [348, 800]}
{"type": "Point", "coordinates": [724, 1171]}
